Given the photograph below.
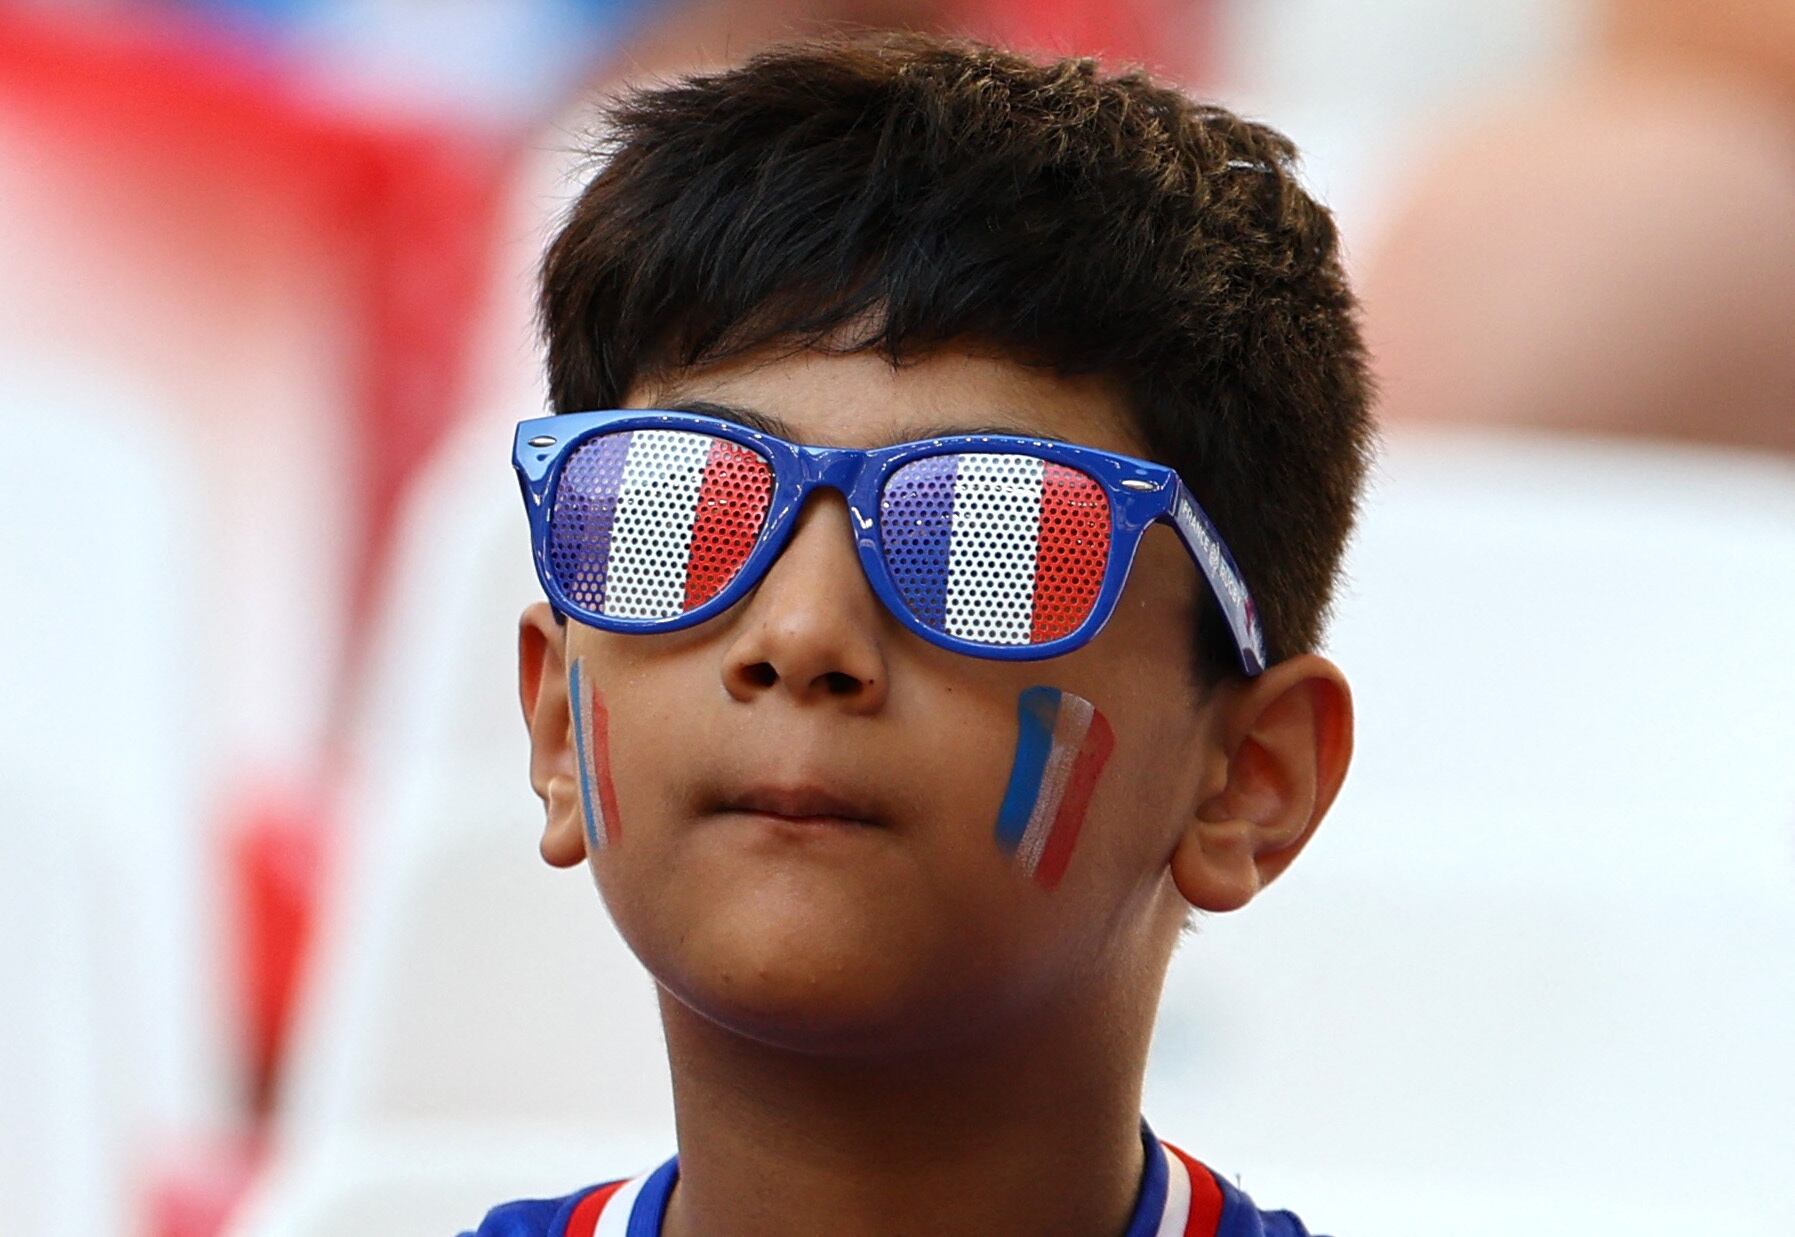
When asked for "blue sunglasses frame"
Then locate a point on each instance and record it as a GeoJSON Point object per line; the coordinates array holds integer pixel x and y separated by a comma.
{"type": "Point", "coordinates": [1140, 493]}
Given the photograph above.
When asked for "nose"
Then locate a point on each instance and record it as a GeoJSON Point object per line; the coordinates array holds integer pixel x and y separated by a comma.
{"type": "Point", "coordinates": [812, 628]}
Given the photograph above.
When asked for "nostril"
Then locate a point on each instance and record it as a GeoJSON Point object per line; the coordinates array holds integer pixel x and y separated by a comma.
{"type": "Point", "coordinates": [840, 684]}
{"type": "Point", "coordinates": [761, 674]}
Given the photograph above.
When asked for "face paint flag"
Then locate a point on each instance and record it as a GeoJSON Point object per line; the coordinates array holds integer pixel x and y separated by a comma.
{"type": "Point", "coordinates": [653, 523]}
{"type": "Point", "coordinates": [998, 548]}
{"type": "Point", "coordinates": [591, 737]}
{"type": "Point", "coordinates": [1062, 742]}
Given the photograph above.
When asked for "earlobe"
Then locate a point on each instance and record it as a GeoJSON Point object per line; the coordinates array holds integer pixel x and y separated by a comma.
{"type": "Point", "coordinates": [1279, 751]}
{"type": "Point", "coordinates": [554, 775]}
{"type": "Point", "coordinates": [563, 843]}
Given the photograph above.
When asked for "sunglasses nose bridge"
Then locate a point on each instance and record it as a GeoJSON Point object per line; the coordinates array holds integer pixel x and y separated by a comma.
{"type": "Point", "coordinates": [835, 467]}
{"type": "Point", "coordinates": [838, 469]}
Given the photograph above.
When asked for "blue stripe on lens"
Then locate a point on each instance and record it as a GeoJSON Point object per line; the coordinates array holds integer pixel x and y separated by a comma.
{"type": "Point", "coordinates": [1037, 711]}
{"type": "Point", "coordinates": [916, 522]}
{"type": "Point", "coordinates": [579, 540]}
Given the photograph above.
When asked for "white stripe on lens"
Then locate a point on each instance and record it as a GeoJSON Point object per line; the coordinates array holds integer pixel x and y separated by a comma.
{"type": "Point", "coordinates": [651, 541]}
{"type": "Point", "coordinates": [991, 551]}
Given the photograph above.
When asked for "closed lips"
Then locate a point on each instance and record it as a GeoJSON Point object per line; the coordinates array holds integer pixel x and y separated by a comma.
{"type": "Point", "coordinates": [800, 803]}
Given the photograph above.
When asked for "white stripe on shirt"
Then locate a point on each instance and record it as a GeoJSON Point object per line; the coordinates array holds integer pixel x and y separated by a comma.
{"type": "Point", "coordinates": [1177, 1212]}
{"type": "Point", "coordinates": [613, 1217]}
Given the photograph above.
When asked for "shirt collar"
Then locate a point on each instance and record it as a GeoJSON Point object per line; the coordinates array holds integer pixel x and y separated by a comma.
{"type": "Point", "coordinates": [642, 1204]}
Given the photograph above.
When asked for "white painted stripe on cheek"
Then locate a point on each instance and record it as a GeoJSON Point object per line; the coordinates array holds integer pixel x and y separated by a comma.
{"type": "Point", "coordinates": [651, 540]}
{"type": "Point", "coordinates": [1177, 1212]}
{"type": "Point", "coordinates": [1069, 730]}
{"type": "Point", "coordinates": [991, 552]}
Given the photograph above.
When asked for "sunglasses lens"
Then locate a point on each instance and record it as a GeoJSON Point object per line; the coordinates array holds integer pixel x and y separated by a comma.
{"type": "Point", "coordinates": [651, 523]}
{"type": "Point", "coordinates": [998, 549]}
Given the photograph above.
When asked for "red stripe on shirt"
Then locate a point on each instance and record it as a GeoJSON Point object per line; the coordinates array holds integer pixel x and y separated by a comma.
{"type": "Point", "coordinates": [1205, 1198]}
{"type": "Point", "coordinates": [584, 1219]}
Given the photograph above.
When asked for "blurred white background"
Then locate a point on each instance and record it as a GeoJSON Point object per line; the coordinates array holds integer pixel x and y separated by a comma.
{"type": "Point", "coordinates": [279, 956]}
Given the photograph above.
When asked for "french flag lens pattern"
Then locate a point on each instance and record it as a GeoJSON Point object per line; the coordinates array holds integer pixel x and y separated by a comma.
{"type": "Point", "coordinates": [649, 524]}
{"type": "Point", "coordinates": [996, 548]}
{"type": "Point", "coordinates": [1062, 744]}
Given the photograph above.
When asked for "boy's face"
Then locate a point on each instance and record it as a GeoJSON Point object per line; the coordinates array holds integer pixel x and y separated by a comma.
{"type": "Point", "coordinates": [915, 928]}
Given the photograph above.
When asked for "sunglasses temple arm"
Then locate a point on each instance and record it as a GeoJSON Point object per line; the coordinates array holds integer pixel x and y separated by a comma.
{"type": "Point", "coordinates": [532, 480]}
{"type": "Point", "coordinates": [1225, 581]}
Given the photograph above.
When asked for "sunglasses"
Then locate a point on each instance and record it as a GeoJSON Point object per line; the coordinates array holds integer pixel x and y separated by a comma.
{"type": "Point", "coordinates": [989, 545]}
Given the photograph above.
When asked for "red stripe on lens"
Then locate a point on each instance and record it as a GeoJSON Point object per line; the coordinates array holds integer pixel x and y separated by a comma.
{"type": "Point", "coordinates": [1072, 552]}
{"type": "Point", "coordinates": [733, 499]}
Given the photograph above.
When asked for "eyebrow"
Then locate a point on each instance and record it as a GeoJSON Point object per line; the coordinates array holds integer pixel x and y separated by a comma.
{"type": "Point", "coordinates": [741, 414]}
{"type": "Point", "coordinates": [768, 423]}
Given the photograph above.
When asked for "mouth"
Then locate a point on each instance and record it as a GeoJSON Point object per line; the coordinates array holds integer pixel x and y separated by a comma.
{"type": "Point", "coordinates": [801, 805]}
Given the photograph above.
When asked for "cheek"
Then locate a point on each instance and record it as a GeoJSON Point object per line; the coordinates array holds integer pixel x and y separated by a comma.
{"type": "Point", "coordinates": [1062, 743]}
{"type": "Point", "coordinates": [592, 742]}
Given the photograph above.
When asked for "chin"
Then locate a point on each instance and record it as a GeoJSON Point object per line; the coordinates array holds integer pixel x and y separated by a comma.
{"type": "Point", "coordinates": [811, 953]}
{"type": "Point", "coordinates": [821, 987]}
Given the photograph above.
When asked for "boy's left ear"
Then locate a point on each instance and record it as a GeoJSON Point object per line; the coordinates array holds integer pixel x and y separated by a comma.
{"type": "Point", "coordinates": [1274, 763]}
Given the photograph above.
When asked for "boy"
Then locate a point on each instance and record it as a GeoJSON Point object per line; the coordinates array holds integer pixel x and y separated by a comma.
{"type": "Point", "coordinates": [901, 699]}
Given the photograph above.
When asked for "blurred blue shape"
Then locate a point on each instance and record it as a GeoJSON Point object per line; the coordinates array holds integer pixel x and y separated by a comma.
{"type": "Point", "coordinates": [502, 62]}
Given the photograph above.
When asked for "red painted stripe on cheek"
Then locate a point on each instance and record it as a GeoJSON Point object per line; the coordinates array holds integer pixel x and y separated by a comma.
{"type": "Point", "coordinates": [1093, 754]}
{"type": "Point", "coordinates": [601, 767]}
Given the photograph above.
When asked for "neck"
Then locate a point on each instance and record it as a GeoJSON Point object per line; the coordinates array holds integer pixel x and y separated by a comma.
{"type": "Point", "coordinates": [1040, 1133]}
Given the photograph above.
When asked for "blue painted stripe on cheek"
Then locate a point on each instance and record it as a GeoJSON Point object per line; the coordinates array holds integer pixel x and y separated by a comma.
{"type": "Point", "coordinates": [576, 696]}
{"type": "Point", "coordinates": [1037, 709]}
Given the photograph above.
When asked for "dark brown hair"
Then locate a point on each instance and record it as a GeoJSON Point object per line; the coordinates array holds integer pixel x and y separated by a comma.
{"type": "Point", "coordinates": [911, 191]}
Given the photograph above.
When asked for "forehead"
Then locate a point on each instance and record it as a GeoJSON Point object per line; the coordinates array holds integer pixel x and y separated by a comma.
{"type": "Point", "coordinates": [860, 399]}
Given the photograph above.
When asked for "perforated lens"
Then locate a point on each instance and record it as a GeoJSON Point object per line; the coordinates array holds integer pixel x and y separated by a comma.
{"type": "Point", "coordinates": [652, 523]}
{"type": "Point", "coordinates": [998, 549]}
